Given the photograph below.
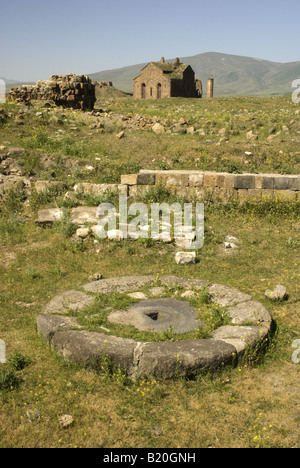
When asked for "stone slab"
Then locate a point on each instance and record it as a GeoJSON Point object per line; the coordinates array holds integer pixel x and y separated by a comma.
{"type": "Point", "coordinates": [93, 349]}
{"type": "Point", "coordinates": [249, 311]}
{"type": "Point", "coordinates": [240, 337]}
{"type": "Point", "coordinates": [186, 358]}
{"type": "Point", "coordinates": [123, 284]}
{"type": "Point", "coordinates": [226, 296]}
{"type": "Point", "coordinates": [48, 325]}
{"type": "Point", "coordinates": [67, 301]}
{"type": "Point", "coordinates": [84, 215]}
{"type": "Point", "coordinates": [49, 216]}
{"type": "Point", "coordinates": [157, 315]}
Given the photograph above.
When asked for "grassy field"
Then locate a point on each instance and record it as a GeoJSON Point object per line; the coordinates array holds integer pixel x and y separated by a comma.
{"type": "Point", "coordinates": [256, 403]}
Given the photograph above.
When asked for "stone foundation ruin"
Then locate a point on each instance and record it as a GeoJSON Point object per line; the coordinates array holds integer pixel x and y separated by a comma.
{"type": "Point", "coordinates": [250, 325]}
{"type": "Point", "coordinates": [68, 91]}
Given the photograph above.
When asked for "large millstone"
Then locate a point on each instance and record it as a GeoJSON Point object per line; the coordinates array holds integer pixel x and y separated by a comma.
{"type": "Point", "coordinates": [58, 325]}
{"type": "Point", "coordinates": [156, 315]}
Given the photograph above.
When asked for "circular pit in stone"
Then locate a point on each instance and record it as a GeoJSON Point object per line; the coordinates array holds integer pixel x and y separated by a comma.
{"type": "Point", "coordinates": [158, 315]}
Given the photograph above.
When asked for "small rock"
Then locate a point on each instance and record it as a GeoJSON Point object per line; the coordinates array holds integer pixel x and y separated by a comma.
{"type": "Point", "coordinates": [188, 295]}
{"type": "Point", "coordinates": [185, 258]}
{"type": "Point", "coordinates": [250, 136]}
{"type": "Point", "coordinates": [82, 233]}
{"type": "Point", "coordinates": [156, 430]}
{"type": "Point", "coordinates": [33, 416]}
{"type": "Point", "coordinates": [115, 234]}
{"type": "Point", "coordinates": [120, 135]}
{"type": "Point", "coordinates": [183, 243]}
{"type": "Point", "coordinates": [158, 291]}
{"type": "Point", "coordinates": [138, 295]}
{"type": "Point", "coordinates": [66, 421]}
{"type": "Point", "coordinates": [279, 293]}
{"type": "Point", "coordinates": [158, 128]}
{"type": "Point", "coordinates": [96, 277]}
{"type": "Point", "coordinates": [230, 245]}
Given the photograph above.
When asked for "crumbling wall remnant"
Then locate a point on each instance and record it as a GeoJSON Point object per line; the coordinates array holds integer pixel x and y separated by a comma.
{"type": "Point", "coordinates": [70, 91]}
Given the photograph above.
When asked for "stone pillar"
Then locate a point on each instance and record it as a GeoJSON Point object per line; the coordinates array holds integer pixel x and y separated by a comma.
{"type": "Point", "coordinates": [210, 88]}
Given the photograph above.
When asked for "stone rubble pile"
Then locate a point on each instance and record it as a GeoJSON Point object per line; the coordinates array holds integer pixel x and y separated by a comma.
{"type": "Point", "coordinates": [70, 91]}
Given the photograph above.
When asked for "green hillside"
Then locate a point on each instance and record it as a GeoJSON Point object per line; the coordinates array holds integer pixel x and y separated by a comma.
{"type": "Point", "coordinates": [234, 75]}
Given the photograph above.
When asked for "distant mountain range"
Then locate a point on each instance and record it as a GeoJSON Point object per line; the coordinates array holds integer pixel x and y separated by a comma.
{"type": "Point", "coordinates": [234, 75]}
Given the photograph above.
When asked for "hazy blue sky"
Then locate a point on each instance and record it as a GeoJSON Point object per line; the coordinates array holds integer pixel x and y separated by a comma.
{"type": "Point", "coordinates": [39, 38]}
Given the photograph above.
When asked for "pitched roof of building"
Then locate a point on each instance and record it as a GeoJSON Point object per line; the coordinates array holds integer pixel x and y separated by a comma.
{"type": "Point", "coordinates": [171, 70]}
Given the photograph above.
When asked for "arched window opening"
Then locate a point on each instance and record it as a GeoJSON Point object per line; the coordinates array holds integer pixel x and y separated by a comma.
{"type": "Point", "coordinates": [159, 91]}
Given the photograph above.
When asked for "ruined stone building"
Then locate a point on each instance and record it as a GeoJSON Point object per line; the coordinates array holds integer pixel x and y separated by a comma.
{"type": "Point", "coordinates": [164, 80]}
{"type": "Point", "coordinates": [69, 91]}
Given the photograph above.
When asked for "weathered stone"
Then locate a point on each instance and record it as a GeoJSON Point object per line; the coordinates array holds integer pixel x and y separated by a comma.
{"type": "Point", "coordinates": [44, 185]}
{"type": "Point", "coordinates": [157, 315]}
{"type": "Point", "coordinates": [183, 243]}
{"type": "Point", "coordinates": [244, 182]}
{"type": "Point", "coordinates": [129, 179]}
{"type": "Point", "coordinates": [251, 136]}
{"type": "Point", "coordinates": [82, 233]}
{"type": "Point", "coordinates": [158, 128]}
{"type": "Point", "coordinates": [157, 291]}
{"type": "Point", "coordinates": [210, 180]}
{"type": "Point", "coordinates": [48, 324]}
{"type": "Point", "coordinates": [116, 234]}
{"type": "Point", "coordinates": [69, 300]}
{"type": "Point", "coordinates": [282, 183]}
{"type": "Point", "coordinates": [196, 180]}
{"type": "Point", "coordinates": [226, 296]}
{"type": "Point", "coordinates": [185, 258]}
{"type": "Point", "coordinates": [66, 421]}
{"type": "Point", "coordinates": [183, 358]}
{"type": "Point", "coordinates": [279, 293]}
{"type": "Point", "coordinates": [240, 337]}
{"type": "Point", "coordinates": [146, 179]}
{"type": "Point", "coordinates": [157, 359]}
{"type": "Point", "coordinates": [2, 352]}
{"type": "Point", "coordinates": [120, 135]}
{"type": "Point", "coordinates": [77, 92]}
{"type": "Point", "coordinates": [138, 295]}
{"type": "Point", "coordinates": [49, 216]}
{"type": "Point", "coordinates": [84, 215]}
{"type": "Point", "coordinates": [249, 311]}
{"type": "Point", "coordinates": [183, 282]}
{"type": "Point", "coordinates": [94, 349]}
{"type": "Point", "coordinates": [33, 416]}
{"type": "Point", "coordinates": [123, 284]}
{"type": "Point", "coordinates": [96, 277]}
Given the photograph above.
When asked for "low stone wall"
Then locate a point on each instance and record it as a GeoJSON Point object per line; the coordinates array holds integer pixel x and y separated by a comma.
{"type": "Point", "coordinates": [77, 92]}
{"type": "Point", "coordinates": [216, 184]}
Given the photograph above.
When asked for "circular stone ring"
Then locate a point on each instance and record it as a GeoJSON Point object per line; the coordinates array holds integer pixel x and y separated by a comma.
{"type": "Point", "coordinates": [161, 359]}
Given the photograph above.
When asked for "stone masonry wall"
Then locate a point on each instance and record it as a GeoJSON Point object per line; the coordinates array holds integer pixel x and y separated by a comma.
{"type": "Point", "coordinates": [218, 185]}
{"type": "Point", "coordinates": [70, 91]}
